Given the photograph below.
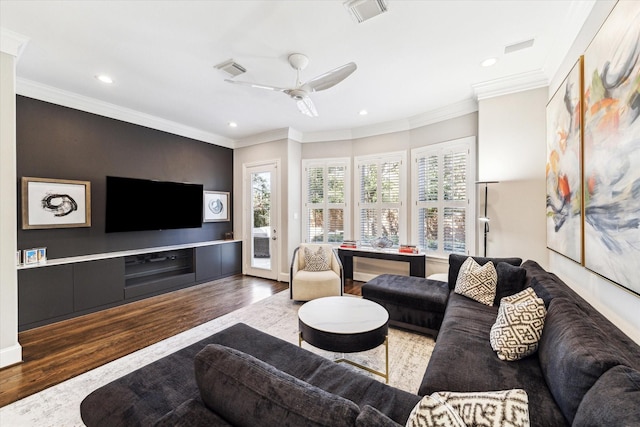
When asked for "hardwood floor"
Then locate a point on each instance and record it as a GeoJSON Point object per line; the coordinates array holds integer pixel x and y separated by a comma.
{"type": "Point", "coordinates": [55, 353]}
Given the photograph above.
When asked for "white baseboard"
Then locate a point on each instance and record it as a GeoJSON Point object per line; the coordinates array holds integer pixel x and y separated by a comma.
{"type": "Point", "coordinates": [10, 355]}
{"type": "Point", "coordinates": [284, 277]}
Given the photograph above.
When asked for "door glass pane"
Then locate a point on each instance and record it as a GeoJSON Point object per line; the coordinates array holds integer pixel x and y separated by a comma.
{"type": "Point", "coordinates": [390, 224]}
{"type": "Point", "coordinates": [369, 183]}
{"type": "Point", "coordinates": [390, 182]}
{"type": "Point", "coordinates": [261, 209]}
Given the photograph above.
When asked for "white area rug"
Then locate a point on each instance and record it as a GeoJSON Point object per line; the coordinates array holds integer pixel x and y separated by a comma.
{"type": "Point", "coordinates": [277, 315]}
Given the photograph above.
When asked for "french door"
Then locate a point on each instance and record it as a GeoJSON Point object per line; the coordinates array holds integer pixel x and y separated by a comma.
{"type": "Point", "coordinates": [261, 220]}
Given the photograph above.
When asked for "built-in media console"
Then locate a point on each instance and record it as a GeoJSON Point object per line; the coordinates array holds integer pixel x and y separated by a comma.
{"type": "Point", "coordinates": [159, 270]}
{"type": "Point", "coordinates": [68, 287]}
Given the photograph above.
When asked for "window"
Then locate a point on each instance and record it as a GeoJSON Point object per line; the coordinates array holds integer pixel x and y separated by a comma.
{"type": "Point", "coordinates": [326, 200]}
{"type": "Point", "coordinates": [380, 198]}
{"type": "Point", "coordinates": [444, 197]}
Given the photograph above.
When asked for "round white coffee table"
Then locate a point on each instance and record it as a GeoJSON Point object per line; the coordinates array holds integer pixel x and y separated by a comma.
{"type": "Point", "coordinates": [345, 325]}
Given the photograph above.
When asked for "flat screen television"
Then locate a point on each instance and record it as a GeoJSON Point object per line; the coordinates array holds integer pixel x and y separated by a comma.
{"type": "Point", "coordinates": [142, 204]}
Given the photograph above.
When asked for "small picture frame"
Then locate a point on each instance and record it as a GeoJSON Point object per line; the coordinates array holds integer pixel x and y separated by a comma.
{"type": "Point", "coordinates": [42, 254]}
{"type": "Point", "coordinates": [30, 256]}
{"type": "Point", "coordinates": [216, 206]}
{"type": "Point", "coordinates": [55, 203]}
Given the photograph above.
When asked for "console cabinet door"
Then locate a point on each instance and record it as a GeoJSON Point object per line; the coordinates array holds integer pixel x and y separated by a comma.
{"type": "Point", "coordinates": [231, 258]}
{"type": "Point", "coordinates": [97, 283]}
{"type": "Point", "coordinates": [44, 293]}
{"type": "Point", "coordinates": [207, 262]}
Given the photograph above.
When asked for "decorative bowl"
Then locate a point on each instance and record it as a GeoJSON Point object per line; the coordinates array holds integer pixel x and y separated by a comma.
{"type": "Point", "coordinates": [381, 243]}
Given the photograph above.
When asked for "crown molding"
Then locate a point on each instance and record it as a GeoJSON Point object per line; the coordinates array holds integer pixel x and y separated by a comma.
{"type": "Point", "coordinates": [269, 136]}
{"type": "Point", "coordinates": [46, 93]}
{"type": "Point", "coordinates": [511, 84]}
{"type": "Point", "coordinates": [12, 43]}
{"type": "Point", "coordinates": [447, 112]}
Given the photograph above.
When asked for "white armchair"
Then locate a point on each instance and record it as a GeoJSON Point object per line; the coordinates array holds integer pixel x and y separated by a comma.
{"type": "Point", "coordinates": [304, 284]}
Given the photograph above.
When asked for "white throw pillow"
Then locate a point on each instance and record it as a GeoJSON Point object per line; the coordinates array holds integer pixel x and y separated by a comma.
{"type": "Point", "coordinates": [316, 261]}
{"type": "Point", "coordinates": [491, 409]}
{"type": "Point", "coordinates": [477, 282]}
{"type": "Point", "coordinates": [518, 327]}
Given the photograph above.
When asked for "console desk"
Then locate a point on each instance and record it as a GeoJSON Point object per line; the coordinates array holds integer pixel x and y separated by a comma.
{"type": "Point", "coordinates": [416, 261]}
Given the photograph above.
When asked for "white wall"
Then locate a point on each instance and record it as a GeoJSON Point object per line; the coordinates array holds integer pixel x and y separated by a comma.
{"type": "Point", "coordinates": [10, 349]}
{"type": "Point", "coordinates": [512, 150]}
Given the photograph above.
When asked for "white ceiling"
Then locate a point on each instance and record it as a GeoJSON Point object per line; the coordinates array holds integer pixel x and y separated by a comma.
{"type": "Point", "coordinates": [419, 57]}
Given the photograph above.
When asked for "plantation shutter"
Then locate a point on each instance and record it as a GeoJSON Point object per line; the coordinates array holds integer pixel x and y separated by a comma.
{"type": "Point", "coordinates": [380, 198]}
{"type": "Point", "coordinates": [443, 179]}
{"type": "Point", "coordinates": [326, 189]}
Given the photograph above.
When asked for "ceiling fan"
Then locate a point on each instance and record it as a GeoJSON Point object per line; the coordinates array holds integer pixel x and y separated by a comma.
{"type": "Point", "coordinates": [301, 90]}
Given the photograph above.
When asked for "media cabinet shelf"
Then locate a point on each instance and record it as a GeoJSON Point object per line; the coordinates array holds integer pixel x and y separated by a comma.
{"type": "Point", "coordinates": [60, 289]}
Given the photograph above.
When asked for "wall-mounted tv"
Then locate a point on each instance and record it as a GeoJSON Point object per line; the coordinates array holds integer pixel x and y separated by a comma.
{"type": "Point", "coordinates": [142, 204]}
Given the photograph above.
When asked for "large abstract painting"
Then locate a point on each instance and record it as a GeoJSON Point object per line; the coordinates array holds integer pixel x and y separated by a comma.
{"type": "Point", "coordinates": [612, 148]}
{"type": "Point", "coordinates": [564, 201]}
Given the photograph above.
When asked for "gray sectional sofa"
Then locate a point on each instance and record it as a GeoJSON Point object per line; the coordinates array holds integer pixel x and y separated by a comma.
{"type": "Point", "coordinates": [586, 372]}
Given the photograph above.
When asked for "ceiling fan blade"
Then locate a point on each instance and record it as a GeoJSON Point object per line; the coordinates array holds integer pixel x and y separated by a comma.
{"type": "Point", "coordinates": [256, 85]}
{"type": "Point", "coordinates": [306, 107]}
{"type": "Point", "coordinates": [331, 78]}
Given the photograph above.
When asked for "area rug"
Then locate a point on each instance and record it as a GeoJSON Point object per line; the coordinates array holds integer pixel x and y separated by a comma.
{"type": "Point", "coordinates": [277, 315]}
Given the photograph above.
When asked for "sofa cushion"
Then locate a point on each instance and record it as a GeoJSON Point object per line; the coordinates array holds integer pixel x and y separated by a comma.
{"type": "Point", "coordinates": [614, 400]}
{"type": "Point", "coordinates": [249, 392]}
{"type": "Point", "coordinates": [319, 371]}
{"type": "Point", "coordinates": [518, 328]}
{"type": "Point", "coordinates": [191, 413]}
{"type": "Point", "coordinates": [456, 261]}
{"type": "Point", "coordinates": [316, 260]}
{"type": "Point", "coordinates": [371, 417]}
{"type": "Point", "coordinates": [463, 361]}
{"type": "Point", "coordinates": [574, 352]}
{"type": "Point", "coordinates": [477, 282]}
{"type": "Point", "coordinates": [511, 280]}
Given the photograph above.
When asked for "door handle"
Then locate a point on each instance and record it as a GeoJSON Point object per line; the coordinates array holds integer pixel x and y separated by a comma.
{"type": "Point", "coordinates": [274, 238]}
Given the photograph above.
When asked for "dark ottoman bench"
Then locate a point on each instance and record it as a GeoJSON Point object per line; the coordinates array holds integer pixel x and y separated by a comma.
{"type": "Point", "coordinates": [413, 303]}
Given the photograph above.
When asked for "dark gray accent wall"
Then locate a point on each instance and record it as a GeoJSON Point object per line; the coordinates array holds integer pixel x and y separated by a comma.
{"type": "Point", "coordinates": [63, 143]}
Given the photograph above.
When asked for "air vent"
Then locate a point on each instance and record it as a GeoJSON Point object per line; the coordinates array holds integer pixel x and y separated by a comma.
{"type": "Point", "coordinates": [361, 10]}
{"type": "Point", "coordinates": [231, 67]}
{"type": "Point", "coordinates": [518, 46]}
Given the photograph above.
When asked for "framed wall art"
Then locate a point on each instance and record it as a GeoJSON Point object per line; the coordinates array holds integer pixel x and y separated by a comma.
{"type": "Point", "coordinates": [55, 203]}
{"type": "Point", "coordinates": [216, 206]}
{"type": "Point", "coordinates": [564, 167]}
{"type": "Point", "coordinates": [612, 148]}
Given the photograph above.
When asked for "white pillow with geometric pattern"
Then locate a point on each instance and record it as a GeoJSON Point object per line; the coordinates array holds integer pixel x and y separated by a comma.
{"type": "Point", "coordinates": [316, 261]}
{"type": "Point", "coordinates": [518, 329]}
{"type": "Point", "coordinates": [477, 282]}
{"type": "Point", "coordinates": [490, 409]}
{"type": "Point", "coordinates": [522, 296]}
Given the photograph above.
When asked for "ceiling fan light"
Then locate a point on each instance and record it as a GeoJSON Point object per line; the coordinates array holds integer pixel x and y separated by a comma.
{"type": "Point", "coordinates": [306, 107]}
{"type": "Point", "coordinates": [362, 10]}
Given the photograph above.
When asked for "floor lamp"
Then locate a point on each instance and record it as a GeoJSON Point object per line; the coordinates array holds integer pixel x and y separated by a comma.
{"type": "Point", "coordinates": [485, 219]}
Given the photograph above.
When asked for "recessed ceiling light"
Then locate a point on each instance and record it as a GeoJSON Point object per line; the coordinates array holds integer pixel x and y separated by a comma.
{"type": "Point", "coordinates": [104, 78]}
{"type": "Point", "coordinates": [233, 125]}
{"type": "Point", "coordinates": [489, 62]}
{"type": "Point", "coordinates": [363, 112]}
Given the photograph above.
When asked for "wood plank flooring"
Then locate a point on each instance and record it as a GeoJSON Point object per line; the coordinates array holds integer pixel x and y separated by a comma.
{"type": "Point", "coordinates": [55, 353]}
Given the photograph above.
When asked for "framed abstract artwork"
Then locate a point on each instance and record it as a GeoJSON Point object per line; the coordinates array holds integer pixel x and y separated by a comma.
{"type": "Point", "coordinates": [612, 148]}
{"type": "Point", "coordinates": [216, 206]}
{"type": "Point", "coordinates": [55, 203]}
{"type": "Point", "coordinates": [564, 167]}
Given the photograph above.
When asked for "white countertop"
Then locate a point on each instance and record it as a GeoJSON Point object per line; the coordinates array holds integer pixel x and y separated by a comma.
{"type": "Point", "coordinates": [107, 255]}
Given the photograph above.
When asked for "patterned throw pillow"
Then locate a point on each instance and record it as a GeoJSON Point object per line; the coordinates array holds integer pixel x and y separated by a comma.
{"type": "Point", "coordinates": [490, 409]}
{"type": "Point", "coordinates": [477, 282]}
{"type": "Point", "coordinates": [518, 327]}
{"type": "Point", "coordinates": [315, 261]}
